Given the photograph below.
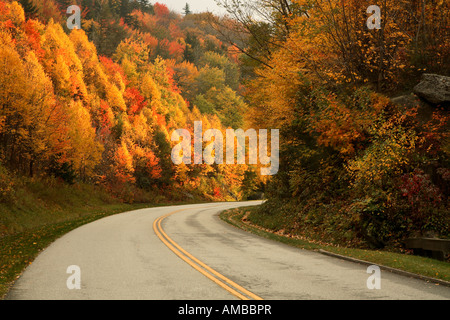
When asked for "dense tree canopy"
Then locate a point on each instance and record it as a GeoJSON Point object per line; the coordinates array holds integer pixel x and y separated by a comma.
{"type": "Point", "coordinates": [355, 166]}
{"type": "Point", "coordinates": [100, 105]}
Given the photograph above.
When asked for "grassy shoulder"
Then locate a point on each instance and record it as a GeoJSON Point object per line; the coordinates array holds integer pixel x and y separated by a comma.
{"type": "Point", "coordinates": [242, 218]}
{"type": "Point", "coordinates": [44, 210]}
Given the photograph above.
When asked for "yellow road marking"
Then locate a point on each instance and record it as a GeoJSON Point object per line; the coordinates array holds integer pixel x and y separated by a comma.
{"type": "Point", "coordinates": [198, 265]}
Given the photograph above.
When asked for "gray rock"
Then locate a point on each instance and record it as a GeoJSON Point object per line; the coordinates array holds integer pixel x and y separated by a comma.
{"type": "Point", "coordinates": [434, 88]}
{"type": "Point", "coordinates": [407, 100]}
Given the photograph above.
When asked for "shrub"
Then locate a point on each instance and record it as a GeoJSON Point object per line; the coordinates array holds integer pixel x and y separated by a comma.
{"type": "Point", "coordinates": [7, 186]}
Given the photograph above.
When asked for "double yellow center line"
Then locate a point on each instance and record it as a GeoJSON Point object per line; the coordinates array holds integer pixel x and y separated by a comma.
{"type": "Point", "coordinates": [201, 267]}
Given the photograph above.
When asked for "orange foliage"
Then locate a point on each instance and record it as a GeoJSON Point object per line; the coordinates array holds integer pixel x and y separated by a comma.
{"type": "Point", "coordinates": [109, 119]}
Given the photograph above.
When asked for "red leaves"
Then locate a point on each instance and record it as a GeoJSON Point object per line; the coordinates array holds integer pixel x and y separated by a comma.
{"type": "Point", "coordinates": [153, 167]}
{"type": "Point", "coordinates": [217, 192]}
{"type": "Point", "coordinates": [8, 24]}
{"type": "Point", "coordinates": [3, 8]}
{"type": "Point", "coordinates": [176, 49]}
{"type": "Point", "coordinates": [161, 10]}
{"type": "Point", "coordinates": [112, 67]}
{"type": "Point", "coordinates": [160, 119]}
{"type": "Point", "coordinates": [417, 186]}
{"type": "Point", "coordinates": [150, 41]}
{"type": "Point", "coordinates": [173, 84]}
{"type": "Point", "coordinates": [105, 118]}
{"type": "Point", "coordinates": [34, 38]}
{"type": "Point", "coordinates": [135, 101]}
{"type": "Point", "coordinates": [436, 132]}
{"type": "Point", "coordinates": [423, 197]}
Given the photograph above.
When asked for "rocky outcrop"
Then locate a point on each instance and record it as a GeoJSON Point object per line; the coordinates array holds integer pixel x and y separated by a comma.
{"type": "Point", "coordinates": [431, 92]}
{"type": "Point", "coordinates": [407, 100]}
{"type": "Point", "coordinates": [434, 89]}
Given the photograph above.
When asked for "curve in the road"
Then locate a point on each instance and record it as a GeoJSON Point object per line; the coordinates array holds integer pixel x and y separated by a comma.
{"type": "Point", "coordinates": [127, 256]}
{"type": "Point", "coordinates": [198, 265]}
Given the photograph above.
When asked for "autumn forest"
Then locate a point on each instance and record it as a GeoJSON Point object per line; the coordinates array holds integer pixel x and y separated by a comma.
{"type": "Point", "coordinates": [364, 158]}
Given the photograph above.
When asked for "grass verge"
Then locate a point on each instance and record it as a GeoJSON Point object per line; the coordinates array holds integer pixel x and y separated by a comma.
{"type": "Point", "coordinates": [414, 264]}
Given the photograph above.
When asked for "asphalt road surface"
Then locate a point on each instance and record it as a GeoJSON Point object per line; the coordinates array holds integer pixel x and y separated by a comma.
{"type": "Point", "coordinates": [188, 253]}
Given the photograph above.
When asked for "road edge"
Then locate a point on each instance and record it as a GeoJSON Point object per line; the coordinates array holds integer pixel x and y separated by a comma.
{"type": "Point", "coordinates": [390, 269]}
{"type": "Point", "coordinates": [342, 257]}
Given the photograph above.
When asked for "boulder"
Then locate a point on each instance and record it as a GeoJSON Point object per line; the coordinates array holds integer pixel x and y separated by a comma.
{"type": "Point", "coordinates": [407, 101]}
{"type": "Point", "coordinates": [434, 89]}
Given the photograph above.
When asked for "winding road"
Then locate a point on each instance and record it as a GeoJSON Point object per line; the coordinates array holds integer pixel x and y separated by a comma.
{"type": "Point", "coordinates": [187, 253]}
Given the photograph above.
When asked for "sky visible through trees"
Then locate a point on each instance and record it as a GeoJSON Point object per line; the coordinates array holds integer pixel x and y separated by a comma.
{"type": "Point", "coordinates": [196, 6]}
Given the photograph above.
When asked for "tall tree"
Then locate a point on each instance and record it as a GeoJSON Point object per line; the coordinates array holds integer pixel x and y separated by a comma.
{"type": "Point", "coordinates": [187, 9]}
{"type": "Point", "coordinates": [145, 6]}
